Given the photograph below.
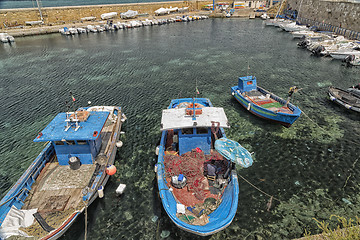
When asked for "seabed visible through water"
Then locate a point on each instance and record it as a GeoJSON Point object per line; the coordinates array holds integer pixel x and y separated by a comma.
{"type": "Point", "coordinates": [311, 167]}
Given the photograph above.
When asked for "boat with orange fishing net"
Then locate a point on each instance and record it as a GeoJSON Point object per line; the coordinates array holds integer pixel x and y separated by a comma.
{"type": "Point", "coordinates": [196, 175]}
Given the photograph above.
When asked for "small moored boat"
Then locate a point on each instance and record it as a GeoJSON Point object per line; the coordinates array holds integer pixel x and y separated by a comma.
{"type": "Point", "coordinates": [196, 176]}
{"type": "Point", "coordinates": [349, 99]}
{"type": "Point", "coordinates": [263, 103]}
{"type": "Point", "coordinates": [66, 177]}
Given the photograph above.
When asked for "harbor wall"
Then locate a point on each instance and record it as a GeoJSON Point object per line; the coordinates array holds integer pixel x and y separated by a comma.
{"type": "Point", "coordinates": [73, 14]}
{"type": "Point", "coordinates": [340, 13]}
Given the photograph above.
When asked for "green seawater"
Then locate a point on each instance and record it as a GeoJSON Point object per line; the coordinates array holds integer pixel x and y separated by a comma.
{"type": "Point", "coordinates": [310, 167]}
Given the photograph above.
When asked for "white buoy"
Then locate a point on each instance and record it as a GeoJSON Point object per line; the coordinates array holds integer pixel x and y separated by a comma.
{"type": "Point", "coordinates": [232, 93]}
{"type": "Point", "coordinates": [122, 132]}
{"type": "Point", "coordinates": [155, 168]}
{"type": "Point", "coordinates": [89, 102]}
{"type": "Point", "coordinates": [101, 191]}
{"type": "Point", "coordinates": [157, 150]}
{"type": "Point", "coordinates": [347, 106]}
{"type": "Point", "coordinates": [119, 144]}
{"type": "Point", "coordinates": [120, 189]}
{"type": "Point", "coordinates": [249, 106]}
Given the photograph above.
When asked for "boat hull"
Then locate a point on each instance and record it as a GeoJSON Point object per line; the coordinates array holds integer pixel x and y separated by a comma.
{"type": "Point", "coordinates": [218, 219]}
{"type": "Point", "coordinates": [284, 119]}
{"type": "Point", "coordinates": [339, 96]}
{"type": "Point", "coordinates": [24, 187]}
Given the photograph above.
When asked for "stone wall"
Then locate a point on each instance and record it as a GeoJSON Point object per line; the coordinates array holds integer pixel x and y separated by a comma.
{"type": "Point", "coordinates": [344, 14]}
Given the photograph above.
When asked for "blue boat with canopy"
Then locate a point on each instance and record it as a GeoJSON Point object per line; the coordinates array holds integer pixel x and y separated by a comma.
{"type": "Point", "coordinates": [195, 171]}
{"type": "Point", "coordinates": [66, 177]}
{"type": "Point", "coordinates": [265, 104]}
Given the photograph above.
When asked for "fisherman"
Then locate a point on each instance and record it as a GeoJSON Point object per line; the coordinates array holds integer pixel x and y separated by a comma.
{"type": "Point", "coordinates": [292, 90]}
{"type": "Point", "coordinates": [357, 86]}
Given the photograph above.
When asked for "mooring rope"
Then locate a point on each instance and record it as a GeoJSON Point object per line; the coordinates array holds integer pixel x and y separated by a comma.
{"type": "Point", "coordinates": [314, 122]}
{"type": "Point", "coordinates": [85, 235]}
{"type": "Point", "coordinates": [324, 129]}
{"type": "Point", "coordinates": [259, 189]}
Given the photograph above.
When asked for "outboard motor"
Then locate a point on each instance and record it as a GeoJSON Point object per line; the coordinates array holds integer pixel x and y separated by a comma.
{"type": "Point", "coordinates": [302, 44]}
{"type": "Point", "coordinates": [317, 51]}
{"type": "Point", "coordinates": [348, 60]}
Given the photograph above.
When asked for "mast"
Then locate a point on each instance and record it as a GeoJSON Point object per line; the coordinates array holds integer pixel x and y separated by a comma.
{"type": "Point", "coordinates": [298, 13]}
{"type": "Point", "coordinates": [38, 4]}
{"type": "Point", "coordinates": [279, 9]}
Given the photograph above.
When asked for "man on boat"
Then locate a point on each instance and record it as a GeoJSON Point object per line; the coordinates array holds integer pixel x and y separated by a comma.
{"type": "Point", "coordinates": [292, 90]}
{"type": "Point", "coordinates": [357, 86]}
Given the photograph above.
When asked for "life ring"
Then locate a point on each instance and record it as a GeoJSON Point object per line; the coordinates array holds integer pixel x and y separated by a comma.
{"type": "Point", "coordinates": [95, 133]}
{"type": "Point", "coordinates": [191, 106]}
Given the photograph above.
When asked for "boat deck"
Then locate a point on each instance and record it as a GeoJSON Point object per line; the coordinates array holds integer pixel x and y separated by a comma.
{"type": "Point", "coordinates": [267, 102]}
{"type": "Point", "coordinates": [56, 195]}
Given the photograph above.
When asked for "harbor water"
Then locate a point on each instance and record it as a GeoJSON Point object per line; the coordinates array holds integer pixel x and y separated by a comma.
{"type": "Point", "coordinates": [311, 169]}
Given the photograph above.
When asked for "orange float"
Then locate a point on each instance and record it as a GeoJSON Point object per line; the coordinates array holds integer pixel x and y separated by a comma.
{"type": "Point", "coordinates": [190, 109]}
{"type": "Point", "coordinates": [110, 170]}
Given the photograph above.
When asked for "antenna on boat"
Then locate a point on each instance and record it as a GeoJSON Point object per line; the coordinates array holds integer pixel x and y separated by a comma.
{"type": "Point", "coordinates": [67, 120]}
{"type": "Point", "coordinates": [69, 117]}
{"type": "Point", "coordinates": [248, 68]}
{"type": "Point", "coordinates": [73, 101]}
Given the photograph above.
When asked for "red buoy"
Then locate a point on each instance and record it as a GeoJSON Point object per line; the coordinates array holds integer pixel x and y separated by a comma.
{"type": "Point", "coordinates": [110, 170]}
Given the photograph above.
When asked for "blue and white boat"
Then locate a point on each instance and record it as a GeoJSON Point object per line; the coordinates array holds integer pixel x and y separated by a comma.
{"type": "Point", "coordinates": [198, 186]}
{"type": "Point", "coordinates": [66, 177]}
{"type": "Point", "coordinates": [263, 103]}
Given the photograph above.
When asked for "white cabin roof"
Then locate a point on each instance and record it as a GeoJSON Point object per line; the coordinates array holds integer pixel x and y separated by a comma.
{"type": "Point", "coordinates": [176, 118]}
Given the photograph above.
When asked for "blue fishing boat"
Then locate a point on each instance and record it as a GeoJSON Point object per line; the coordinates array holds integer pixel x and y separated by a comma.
{"type": "Point", "coordinates": [196, 176]}
{"type": "Point", "coordinates": [66, 177]}
{"type": "Point", "coordinates": [263, 103]}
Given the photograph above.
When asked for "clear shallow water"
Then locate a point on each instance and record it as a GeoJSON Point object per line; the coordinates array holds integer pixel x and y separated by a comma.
{"type": "Point", "coordinates": [309, 169]}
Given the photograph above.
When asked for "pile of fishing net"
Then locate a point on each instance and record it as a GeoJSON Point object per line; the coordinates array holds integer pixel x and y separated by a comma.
{"type": "Point", "coordinates": [191, 165]}
{"type": "Point", "coordinates": [194, 166]}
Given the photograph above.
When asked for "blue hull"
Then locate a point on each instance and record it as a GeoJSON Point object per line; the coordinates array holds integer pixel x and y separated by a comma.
{"type": "Point", "coordinates": [285, 119]}
{"type": "Point", "coordinates": [218, 219]}
{"type": "Point", "coordinates": [18, 193]}
{"type": "Point", "coordinates": [24, 190]}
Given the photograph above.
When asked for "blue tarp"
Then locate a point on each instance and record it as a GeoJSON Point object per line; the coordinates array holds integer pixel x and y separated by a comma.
{"type": "Point", "coordinates": [234, 152]}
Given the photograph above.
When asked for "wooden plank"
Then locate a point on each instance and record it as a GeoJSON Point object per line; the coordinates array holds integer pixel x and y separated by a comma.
{"type": "Point", "coordinates": [42, 222]}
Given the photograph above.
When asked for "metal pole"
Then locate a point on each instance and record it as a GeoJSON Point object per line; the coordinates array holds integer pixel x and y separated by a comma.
{"type": "Point", "coordinates": [37, 1]}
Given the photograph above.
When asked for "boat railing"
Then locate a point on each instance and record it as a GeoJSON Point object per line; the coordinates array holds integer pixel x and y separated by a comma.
{"type": "Point", "coordinates": [18, 193]}
{"type": "Point", "coordinates": [272, 95]}
{"type": "Point", "coordinates": [278, 99]}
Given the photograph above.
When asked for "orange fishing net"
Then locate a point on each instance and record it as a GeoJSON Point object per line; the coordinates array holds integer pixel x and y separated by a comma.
{"type": "Point", "coordinates": [191, 165]}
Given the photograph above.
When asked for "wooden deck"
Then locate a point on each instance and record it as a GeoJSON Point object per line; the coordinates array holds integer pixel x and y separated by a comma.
{"type": "Point", "coordinates": [266, 102]}
{"type": "Point", "coordinates": [57, 192]}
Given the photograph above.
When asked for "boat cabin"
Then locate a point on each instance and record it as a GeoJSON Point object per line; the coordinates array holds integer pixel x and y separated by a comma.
{"type": "Point", "coordinates": [75, 134]}
{"type": "Point", "coordinates": [247, 84]}
{"type": "Point", "coordinates": [185, 131]}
